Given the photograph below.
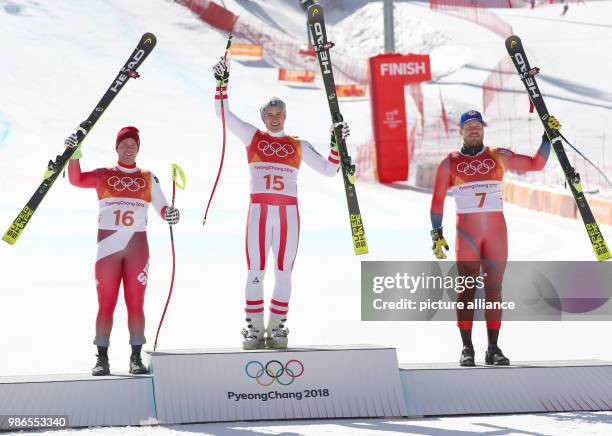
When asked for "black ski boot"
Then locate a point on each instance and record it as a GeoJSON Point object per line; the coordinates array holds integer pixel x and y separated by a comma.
{"type": "Point", "coordinates": [494, 356]}
{"type": "Point", "coordinates": [467, 357]}
{"type": "Point", "coordinates": [102, 366]}
{"type": "Point", "coordinates": [136, 365]}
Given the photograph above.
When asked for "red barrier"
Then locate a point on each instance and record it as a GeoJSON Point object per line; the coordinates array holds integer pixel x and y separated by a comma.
{"type": "Point", "coordinates": [212, 13]}
{"type": "Point", "coordinates": [389, 73]}
{"type": "Point", "coordinates": [497, 4]}
{"type": "Point", "coordinates": [475, 12]}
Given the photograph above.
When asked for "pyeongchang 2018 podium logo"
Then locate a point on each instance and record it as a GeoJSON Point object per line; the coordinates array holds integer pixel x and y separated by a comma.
{"type": "Point", "coordinates": [273, 375]}
{"type": "Point", "coordinates": [274, 371]}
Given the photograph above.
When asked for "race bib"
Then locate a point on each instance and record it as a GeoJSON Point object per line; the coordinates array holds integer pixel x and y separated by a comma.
{"type": "Point", "coordinates": [474, 197]}
{"type": "Point", "coordinates": [117, 213]}
{"type": "Point", "coordinates": [273, 178]}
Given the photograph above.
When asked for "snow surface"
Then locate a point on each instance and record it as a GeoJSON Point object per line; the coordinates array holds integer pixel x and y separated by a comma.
{"type": "Point", "coordinates": [62, 55]}
{"type": "Point", "coordinates": [583, 423]}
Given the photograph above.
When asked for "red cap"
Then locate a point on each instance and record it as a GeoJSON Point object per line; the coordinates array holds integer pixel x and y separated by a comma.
{"type": "Point", "coordinates": [127, 132]}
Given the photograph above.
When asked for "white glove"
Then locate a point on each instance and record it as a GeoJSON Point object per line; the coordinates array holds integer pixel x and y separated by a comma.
{"type": "Point", "coordinates": [221, 70]}
{"type": "Point", "coordinates": [71, 141]}
{"type": "Point", "coordinates": [172, 215]}
{"type": "Point", "coordinates": [345, 129]}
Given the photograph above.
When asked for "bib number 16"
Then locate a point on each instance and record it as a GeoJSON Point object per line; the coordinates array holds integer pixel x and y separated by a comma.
{"type": "Point", "coordinates": [126, 218]}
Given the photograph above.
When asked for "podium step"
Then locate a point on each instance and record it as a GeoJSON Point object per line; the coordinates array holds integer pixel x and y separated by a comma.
{"type": "Point", "coordinates": [308, 382]}
{"type": "Point", "coordinates": [524, 387]}
{"type": "Point", "coordinates": [87, 401]}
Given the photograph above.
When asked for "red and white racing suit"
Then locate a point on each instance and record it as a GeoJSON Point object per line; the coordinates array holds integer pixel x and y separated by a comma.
{"type": "Point", "coordinates": [124, 195]}
{"type": "Point", "coordinates": [481, 237]}
{"type": "Point", "coordinates": [273, 220]}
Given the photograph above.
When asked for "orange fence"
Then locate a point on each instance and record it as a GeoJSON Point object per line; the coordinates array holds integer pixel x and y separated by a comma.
{"type": "Point", "coordinates": [350, 90]}
{"type": "Point", "coordinates": [247, 50]}
{"type": "Point", "coordinates": [303, 76]}
{"type": "Point", "coordinates": [558, 203]}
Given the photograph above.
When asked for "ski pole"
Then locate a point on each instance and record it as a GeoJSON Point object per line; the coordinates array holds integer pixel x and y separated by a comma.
{"type": "Point", "coordinates": [212, 193]}
{"type": "Point", "coordinates": [585, 158]}
{"type": "Point", "coordinates": [177, 172]}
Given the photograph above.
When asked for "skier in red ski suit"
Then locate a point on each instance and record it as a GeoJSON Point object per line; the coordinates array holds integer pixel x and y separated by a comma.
{"type": "Point", "coordinates": [474, 175]}
{"type": "Point", "coordinates": [124, 193]}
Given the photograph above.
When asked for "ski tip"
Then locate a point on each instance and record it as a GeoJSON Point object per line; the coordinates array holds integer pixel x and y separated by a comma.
{"type": "Point", "coordinates": [315, 11]}
{"type": "Point", "coordinates": [149, 39]}
{"type": "Point", "coordinates": [512, 42]}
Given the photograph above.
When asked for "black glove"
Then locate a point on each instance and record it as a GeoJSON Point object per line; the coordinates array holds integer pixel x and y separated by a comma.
{"type": "Point", "coordinates": [221, 71]}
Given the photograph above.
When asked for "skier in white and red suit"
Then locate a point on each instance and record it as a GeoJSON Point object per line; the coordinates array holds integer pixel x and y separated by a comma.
{"type": "Point", "coordinates": [273, 221]}
{"type": "Point", "coordinates": [474, 175]}
{"type": "Point", "coordinates": [124, 193]}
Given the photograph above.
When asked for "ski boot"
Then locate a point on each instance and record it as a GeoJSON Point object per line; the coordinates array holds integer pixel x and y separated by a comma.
{"type": "Point", "coordinates": [253, 335]}
{"type": "Point", "coordinates": [467, 357]}
{"type": "Point", "coordinates": [276, 334]}
{"type": "Point", "coordinates": [102, 366]}
{"type": "Point", "coordinates": [136, 365]}
{"type": "Point", "coordinates": [494, 356]}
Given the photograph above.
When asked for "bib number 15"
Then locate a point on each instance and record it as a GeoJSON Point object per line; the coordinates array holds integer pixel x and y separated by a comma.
{"type": "Point", "coordinates": [126, 218]}
{"type": "Point", "coordinates": [274, 182]}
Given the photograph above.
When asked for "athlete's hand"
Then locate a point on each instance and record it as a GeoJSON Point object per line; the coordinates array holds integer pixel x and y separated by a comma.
{"type": "Point", "coordinates": [172, 215]}
{"type": "Point", "coordinates": [71, 142]}
{"type": "Point", "coordinates": [345, 129]}
{"type": "Point", "coordinates": [553, 123]}
{"type": "Point", "coordinates": [221, 70]}
{"type": "Point", "coordinates": [438, 243]}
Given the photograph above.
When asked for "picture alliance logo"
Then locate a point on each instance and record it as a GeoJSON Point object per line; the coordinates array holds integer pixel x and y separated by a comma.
{"type": "Point", "coordinates": [274, 371]}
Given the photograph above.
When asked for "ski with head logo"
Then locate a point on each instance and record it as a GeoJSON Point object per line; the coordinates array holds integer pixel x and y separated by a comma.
{"type": "Point", "coordinates": [54, 168]}
{"type": "Point", "coordinates": [316, 24]}
{"type": "Point", "coordinates": [527, 75]}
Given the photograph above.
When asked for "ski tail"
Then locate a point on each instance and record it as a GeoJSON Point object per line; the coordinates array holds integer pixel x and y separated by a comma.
{"type": "Point", "coordinates": [527, 74]}
{"type": "Point", "coordinates": [54, 168]}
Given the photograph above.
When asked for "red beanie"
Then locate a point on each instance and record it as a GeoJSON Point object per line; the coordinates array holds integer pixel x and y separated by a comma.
{"type": "Point", "coordinates": [127, 132]}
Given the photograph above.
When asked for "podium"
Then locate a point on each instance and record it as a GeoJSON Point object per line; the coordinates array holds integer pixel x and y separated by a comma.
{"type": "Point", "coordinates": [523, 387]}
{"type": "Point", "coordinates": [309, 382]}
{"type": "Point", "coordinates": [352, 381]}
{"type": "Point", "coordinates": [85, 400]}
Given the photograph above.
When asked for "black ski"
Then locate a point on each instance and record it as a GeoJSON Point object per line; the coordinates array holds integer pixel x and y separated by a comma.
{"type": "Point", "coordinates": [316, 24]}
{"type": "Point", "coordinates": [54, 168]}
{"type": "Point", "coordinates": [527, 75]}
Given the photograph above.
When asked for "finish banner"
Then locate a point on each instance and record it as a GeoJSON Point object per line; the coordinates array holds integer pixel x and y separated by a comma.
{"type": "Point", "coordinates": [389, 74]}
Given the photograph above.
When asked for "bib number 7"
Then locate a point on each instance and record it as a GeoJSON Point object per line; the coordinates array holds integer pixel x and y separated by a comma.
{"type": "Point", "coordinates": [482, 196]}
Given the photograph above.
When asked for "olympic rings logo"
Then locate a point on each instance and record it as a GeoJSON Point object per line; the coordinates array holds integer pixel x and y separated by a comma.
{"type": "Point", "coordinates": [280, 150]}
{"type": "Point", "coordinates": [123, 183]}
{"type": "Point", "coordinates": [274, 371]}
{"type": "Point", "coordinates": [476, 166]}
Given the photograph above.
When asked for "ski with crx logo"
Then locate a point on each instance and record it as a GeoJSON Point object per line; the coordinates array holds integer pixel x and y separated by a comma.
{"type": "Point", "coordinates": [54, 168]}
{"type": "Point", "coordinates": [316, 24]}
{"type": "Point", "coordinates": [527, 75]}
